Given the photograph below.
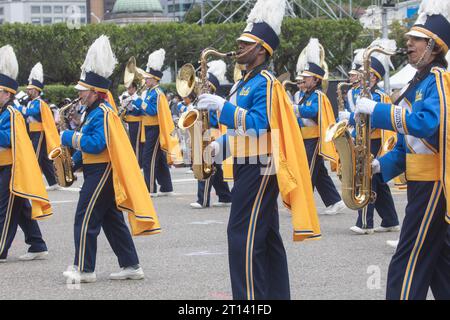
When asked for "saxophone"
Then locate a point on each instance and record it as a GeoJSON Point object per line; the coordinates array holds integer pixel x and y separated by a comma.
{"type": "Point", "coordinates": [195, 121]}
{"type": "Point", "coordinates": [61, 157]}
{"type": "Point", "coordinates": [355, 165]}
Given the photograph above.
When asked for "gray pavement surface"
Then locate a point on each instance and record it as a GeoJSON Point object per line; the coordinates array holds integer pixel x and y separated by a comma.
{"type": "Point", "coordinates": [188, 260]}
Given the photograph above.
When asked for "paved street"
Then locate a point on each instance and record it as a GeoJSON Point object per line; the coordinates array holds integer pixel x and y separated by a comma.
{"type": "Point", "coordinates": [188, 260]}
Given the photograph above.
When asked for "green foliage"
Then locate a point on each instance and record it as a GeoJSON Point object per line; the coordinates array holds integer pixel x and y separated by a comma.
{"type": "Point", "coordinates": [56, 93]}
{"type": "Point", "coordinates": [62, 50]}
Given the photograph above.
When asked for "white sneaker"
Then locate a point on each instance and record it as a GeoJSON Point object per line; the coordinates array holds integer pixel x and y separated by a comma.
{"type": "Point", "coordinates": [80, 277]}
{"type": "Point", "coordinates": [359, 230]}
{"type": "Point", "coordinates": [387, 229]}
{"type": "Point", "coordinates": [165, 194]}
{"type": "Point", "coordinates": [392, 243]}
{"type": "Point", "coordinates": [3, 260]}
{"type": "Point", "coordinates": [196, 205]}
{"type": "Point", "coordinates": [34, 256]}
{"type": "Point", "coordinates": [336, 208]}
{"type": "Point", "coordinates": [154, 195]}
{"type": "Point", "coordinates": [222, 204]}
{"type": "Point", "coordinates": [54, 187]}
{"type": "Point", "coordinates": [70, 270]}
{"type": "Point", "coordinates": [128, 274]}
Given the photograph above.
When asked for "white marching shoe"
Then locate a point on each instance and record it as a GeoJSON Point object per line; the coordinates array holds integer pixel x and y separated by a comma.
{"type": "Point", "coordinates": [221, 204]}
{"type": "Point", "coordinates": [336, 208]}
{"type": "Point", "coordinates": [165, 194]}
{"type": "Point", "coordinates": [392, 243]}
{"type": "Point", "coordinates": [29, 256]}
{"type": "Point", "coordinates": [128, 273]}
{"type": "Point", "coordinates": [387, 229]}
{"type": "Point", "coordinates": [54, 187]}
{"type": "Point", "coordinates": [359, 230]}
{"type": "Point", "coordinates": [3, 260]}
{"type": "Point", "coordinates": [196, 205]}
{"type": "Point", "coordinates": [74, 276]}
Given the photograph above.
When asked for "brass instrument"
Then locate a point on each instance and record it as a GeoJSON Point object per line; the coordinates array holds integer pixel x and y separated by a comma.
{"type": "Point", "coordinates": [355, 167]}
{"type": "Point", "coordinates": [132, 74]}
{"type": "Point", "coordinates": [340, 97]}
{"type": "Point", "coordinates": [61, 157]}
{"type": "Point", "coordinates": [197, 122]}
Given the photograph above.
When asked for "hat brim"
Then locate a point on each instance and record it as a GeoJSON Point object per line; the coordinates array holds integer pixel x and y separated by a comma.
{"type": "Point", "coordinates": [244, 38]}
{"type": "Point", "coordinates": [417, 34]}
{"type": "Point", "coordinates": [79, 87]}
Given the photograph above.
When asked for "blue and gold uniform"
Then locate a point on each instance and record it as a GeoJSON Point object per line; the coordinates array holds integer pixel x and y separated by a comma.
{"type": "Point", "coordinates": [308, 117]}
{"type": "Point", "coordinates": [154, 158]}
{"type": "Point", "coordinates": [351, 97]}
{"type": "Point", "coordinates": [134, 118]}
{"type": "Point", "coordinates": [23, 198]}
{"type": "Point", "coordinates": [422, 259]}
{"type": "Point", "coordinates": [38, 137]}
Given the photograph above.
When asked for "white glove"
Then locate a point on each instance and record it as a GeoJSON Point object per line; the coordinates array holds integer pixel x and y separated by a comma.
{"type": "Point", "coordinates": [211, 151]}
{"type": "Point", "coordinates": [129, 104]}
{"type": "Point", "coordinates": [210, 102]}
{"type": "Point", "coordinates": [376, 167]}
{"type": "Point", "coordinates": [344, 115]}
{"type": "Point", "coordinates": [364, 105]}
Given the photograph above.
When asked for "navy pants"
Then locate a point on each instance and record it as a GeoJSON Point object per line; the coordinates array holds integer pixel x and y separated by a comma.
{"type": "Point", "coordinates": [422, 258]}
{"type": "Point", "coordinates": [16, 211]}
{"type": "Point", "coordinates": [134, 129]}
{"type": "Point", "coordinates": [96, 210]}
{"type": "Point", "coordinates": [154, 162]}
{"type": "Point", "coordinates": [257, 258]}
{"type": "Point", "coordinates": [319, 174]}
{"type": "Point", "coordinates": [40, 147]}
{"type": "Point", "coordinates": [216, 181]}
{"type": "Point", "coordinates": [384, 203]}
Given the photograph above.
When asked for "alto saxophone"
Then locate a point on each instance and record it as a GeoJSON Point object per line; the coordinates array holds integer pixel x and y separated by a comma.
{"type": "Point", "coordinates": [197, 122]}
{"type": "Point", "coordinates": [61, 157]}
{"type": "Point", "coordinates": [355, 165]}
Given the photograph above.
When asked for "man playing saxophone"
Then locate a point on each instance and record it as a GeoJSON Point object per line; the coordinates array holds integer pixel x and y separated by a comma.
{"type": "Point", "coordinates": [262, 130]}
{"type": "Point", "coordinates": [384, 203]}
{"type": "Point", "coordinates": [421, 119]}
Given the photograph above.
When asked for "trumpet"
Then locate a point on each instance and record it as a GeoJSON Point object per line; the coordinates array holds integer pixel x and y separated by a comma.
{"type": "Point", "coordinates": [197, 122]}
{"type": "Point", "coordinates": [61, 157]}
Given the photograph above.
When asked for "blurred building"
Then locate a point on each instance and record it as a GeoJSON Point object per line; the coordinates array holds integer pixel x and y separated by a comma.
{"type": "Point", "coordinates": [43, 12]}
{"type": "Point", "coordinates": [99, 9]}
{"type": "Point", "coordinates": [137, 11]}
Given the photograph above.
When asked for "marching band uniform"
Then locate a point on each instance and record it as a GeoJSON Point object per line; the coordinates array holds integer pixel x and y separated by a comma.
{"type": "Point", "coordinates": [20, 177]}
{"type": "Point", "coordinates": [355, 90]}
{"type": "Point", "coordinates": [422, 258]}
{"type": "Point", "coordinates": [112, 179]}
{"type": "Point", "coordinates": [133, 118]}
{"type": "Point", "coordinates": [43, 131]}
{"type": "Point", "coordinates": [384, 203]}
{"type": "Point", "coordinates": [315, 114]}
{"type": "Point", "coordinates": [216, 73]}
{"type": "Point", "coordinates": [161, 148]}
{"type": "Point", "coordinates": [257, 258]}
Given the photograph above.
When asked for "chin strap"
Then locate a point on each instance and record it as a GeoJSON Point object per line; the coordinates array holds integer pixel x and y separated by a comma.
{"type": "Point", "coordinates": [426, 55]}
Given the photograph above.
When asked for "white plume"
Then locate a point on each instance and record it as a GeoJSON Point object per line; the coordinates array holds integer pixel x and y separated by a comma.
{"type": "Point", "coordinates": [156, 60]}
{"type": "Point", "coordinates": [387, 44]}
{"type": "Point", "coordinates": [268, 11]}
{"type": "Point", "coordinates": [100, 58]}
{"type": "Point", "coordinates": [359, 57]}
{"type": "Point", "coordinates": [218, 68]}
{"type": "Point", "coordinates": [313, 51]}
{"type": "Point", "coordinates": [432, 7]}
{"type": "Point", "coordinates": [301, 63]}
{"type": "Point", "coordinates": [37, 73]}
{"type": "Point", "coordinates": [8, 62]}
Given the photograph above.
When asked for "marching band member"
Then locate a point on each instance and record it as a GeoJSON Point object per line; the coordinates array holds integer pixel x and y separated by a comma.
{"type": "Point", "coordinates": [314, 113]}
{"type": "Point", "coordinates": [354, 78]}
{"type": "Point", "coordinates": [262, 130]}
{"type": "Point", "coordinates": [161, 148]}
{"type": "Point", "coordinates": [112, 179]}
{"type": "Point", "coordinates": [422, 259]}
{"type": "Point", "coordinates": [43, 131]}
{"type": "Point", "coordinates": [133, 118]}
{"type": "Point", "coordinates": [384, 203]}
{"type": "Point", "coordinates": [216, 77]}
{"type": "Point", "coordinates": [20, 176]}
